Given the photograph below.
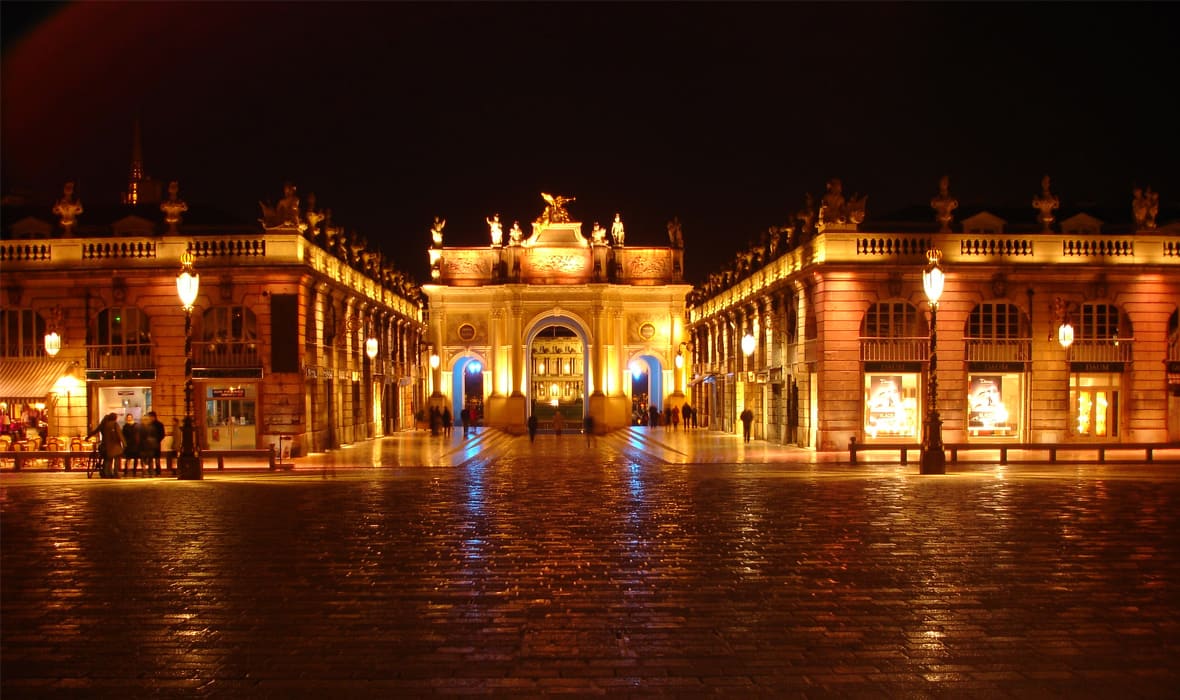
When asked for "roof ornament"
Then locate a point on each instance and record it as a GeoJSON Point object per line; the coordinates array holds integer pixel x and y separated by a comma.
{"type": "Point", "coordinates": [285, 214]}
{"type": "Point", "coordinates": [173, 207]}
{"type": "Point", "coordinates": [1045, 203]}
{"type": "Point", "coordinates": [944, 204]}
{"type": "Point", "coordinates": [555, 212]}
{"type": "Point", "coordinates": [1145, 206]}
{"type": "Point", "coordinates": [68, 208]}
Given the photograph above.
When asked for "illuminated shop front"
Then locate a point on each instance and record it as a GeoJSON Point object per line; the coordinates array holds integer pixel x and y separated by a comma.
{"type": "Point", "coordinates": [1094, 404]}
{"type": "Point", "coordinates": [893, 406]}
{"type": "Point", "coordinates": [231, 416]}
{"type": "Point", "coordinates": [995, 402]}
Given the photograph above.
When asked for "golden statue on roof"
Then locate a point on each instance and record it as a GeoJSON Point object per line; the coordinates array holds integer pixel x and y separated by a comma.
{"type": "Point", "coordinates": [555, 212]}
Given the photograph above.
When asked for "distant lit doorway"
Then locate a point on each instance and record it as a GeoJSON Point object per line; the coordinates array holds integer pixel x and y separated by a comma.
{"type": "Point", "coordinates": [467, 388]}
{"type": "Point", "coordinates": [558, 376]}
{"type": "Point", "coordinates": [646, 388]}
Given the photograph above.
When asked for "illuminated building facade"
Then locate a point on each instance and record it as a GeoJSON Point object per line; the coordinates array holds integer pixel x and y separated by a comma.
{"type": "Point", "coordinates": [556, 322]}
{"type": "Point", "coordinates": [836, 323]}
{"type": "Point", "coordinates": [298, 329]}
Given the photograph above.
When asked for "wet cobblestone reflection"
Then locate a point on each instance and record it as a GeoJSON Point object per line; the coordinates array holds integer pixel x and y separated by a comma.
{"type": "Point", "coordinates": [556, 568]}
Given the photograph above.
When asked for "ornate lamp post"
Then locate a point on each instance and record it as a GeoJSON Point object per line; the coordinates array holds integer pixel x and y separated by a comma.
{"type": "Point", "coordinates": [933, 456]}
{"type": "Point", "coordinates": [188, 283]}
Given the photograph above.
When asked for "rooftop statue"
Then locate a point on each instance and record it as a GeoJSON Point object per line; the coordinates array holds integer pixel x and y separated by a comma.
{"type": "Point", "coordinates": [616, 231]}
{"type": "Point", "coordinates": [675, 234]}
{"type": "Point", "coordinates": [598, 234]}
{"type": "Point", "coordinates": [1145, 207]}
{"type": "Point", "coordinates": [1045, 203]}
{"type": "Point", "coordinates": [436, 231]}
{"type": "Point", "coordinates": [285, 214]}
{"type": "Point", "coordinates": [496, 229]}
{"type": "Point", "coordinates": [944, 204]}
{"type": "Point", "coordinates": [313, 217]}
{"type": "Point", "coordinates": [555, 212]}
{"type": "Point", "coordinates": [515, 234]}
{"type": "Point", "coordinates": [68, 208]}
{"type": "Point", "coordinates": [831, 207]}
{"type": "Point", "coordinates": [173, 207]}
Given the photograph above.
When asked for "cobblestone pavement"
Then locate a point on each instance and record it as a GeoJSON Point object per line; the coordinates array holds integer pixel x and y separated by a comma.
{"type": "Point", "coordinates": [638, 564]}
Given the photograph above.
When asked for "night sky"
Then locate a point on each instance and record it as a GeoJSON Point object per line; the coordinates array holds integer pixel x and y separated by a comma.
{"type": "Point", "coordinates": [721, 114]}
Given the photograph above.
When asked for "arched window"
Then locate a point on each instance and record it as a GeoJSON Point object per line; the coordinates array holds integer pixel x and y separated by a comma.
{"type": "Point", "coordinates": [123, 330]}
{"type": "Point", "coordinates": [893, 319]}
{"type": "Point", "coordinates": [997, 320]}
{"type": "Point", "coordinates": [22, 333]}
{"type": "Point", "coordinates": [229, 324]}
{"type": "Point", "coordinates": [230, 335]}
{"type": "Point", "coordinates": [1102, 321]}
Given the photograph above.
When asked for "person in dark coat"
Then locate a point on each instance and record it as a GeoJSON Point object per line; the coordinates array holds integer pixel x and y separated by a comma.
{"type": "Point", "coordinates": [747, 421]}
{"type": "Point", "coordinates": [532, 428]}
{"type": "Point", "coordinates": [151, 438]}
{"type": "Point", "coordinates": [131, 433]}
{"type": "Point", "coordinates": [111, 445]}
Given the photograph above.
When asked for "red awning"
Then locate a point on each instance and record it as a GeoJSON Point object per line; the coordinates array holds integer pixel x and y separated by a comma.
{"type": "Point", "coordinates": [29, 379]}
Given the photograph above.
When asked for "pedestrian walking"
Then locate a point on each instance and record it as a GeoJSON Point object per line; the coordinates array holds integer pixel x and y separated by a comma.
{"type": "Point", "coordinates": [747, 421]}
{"type": "Point", "coordinates": [466, 423]}
{"type": "Point", "coordinates": [447, 421]}
{"type": "Point", "coordinates": [588, 428]}
{"type": "Point", "coordinates": [131, 445]}
{"type": "Point", "coordinates": [675, 418]}
{"type": "Point", "coordinates": [110, 444]}
{"type": "Point", "coordinates": [653, 417]}
{"type": "Point", "coordinates": [686, 415]}
{"type": "Point", "coordinates": [532, 423]}
{"type": "Point", "coordinates": [558, 423]}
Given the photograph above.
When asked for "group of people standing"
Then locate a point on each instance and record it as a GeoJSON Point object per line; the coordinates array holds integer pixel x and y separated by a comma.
{"type": "Point", "coordinates": [131, 445]}
{"type": "Point", "coordinates": [671, 417]}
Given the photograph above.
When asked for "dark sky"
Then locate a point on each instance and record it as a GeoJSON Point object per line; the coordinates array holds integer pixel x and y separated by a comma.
{"type": "Point", "coordinates": [721, 114]}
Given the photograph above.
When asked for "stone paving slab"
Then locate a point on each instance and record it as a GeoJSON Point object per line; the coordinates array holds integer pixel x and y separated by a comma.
{"type": "Point", "coordinates": [630, 565]}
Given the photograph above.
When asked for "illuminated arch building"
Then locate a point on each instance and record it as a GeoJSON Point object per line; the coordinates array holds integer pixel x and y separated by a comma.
{"type": "Point", "coordinates": [555, 322]}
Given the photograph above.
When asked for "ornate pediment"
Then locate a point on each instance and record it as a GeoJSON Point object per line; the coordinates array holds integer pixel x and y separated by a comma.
{"type": "Point", "coordinates": [1082, 223]}
{"type": "Point", "coordinates": [31, 227]}
{"type": "Point", "coordinates": [984, 222]}
{"type": "Point", "coordinates": [134, 226]}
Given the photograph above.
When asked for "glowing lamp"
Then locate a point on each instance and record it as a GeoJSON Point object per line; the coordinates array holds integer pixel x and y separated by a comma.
{"type": "Point", "coordinates": [933, 277]}
{"type": "Point", "coordinates": [679, 361]}
{"type": "Point", "coordinates": [1065, 335]}
{"type": "Point", "coordinates": [371, 348]}
{"type": "Point", "coordinates": [188, 282]}
{"type": "Point", "coordinates": [433, 361]}
{"type": "Point", "coordinates": [748, 344]}
{"type": "Point", "coordinates": [474, 367]}
{"type": "Point", "coordinates": [636, 369]}
{"type": "Point", "coordinates": [52, 343]}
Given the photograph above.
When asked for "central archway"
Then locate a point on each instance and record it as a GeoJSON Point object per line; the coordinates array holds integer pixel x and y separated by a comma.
{"type": "Point", "coordinates": [558, 374]}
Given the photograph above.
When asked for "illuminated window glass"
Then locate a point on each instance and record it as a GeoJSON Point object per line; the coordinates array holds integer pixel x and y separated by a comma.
{"type": "Point", "coordinates": [124, 330]}
{"type": "Point", "coordinates": [1094, 405]}
{"type": "Point", "coordinates": [891, 405]}
{"type": "Point", "coordinates": [993, 404]}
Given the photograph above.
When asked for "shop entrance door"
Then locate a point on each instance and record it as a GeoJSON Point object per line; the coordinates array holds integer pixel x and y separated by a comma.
{"type": "Point", "coordinates": [230, 418]}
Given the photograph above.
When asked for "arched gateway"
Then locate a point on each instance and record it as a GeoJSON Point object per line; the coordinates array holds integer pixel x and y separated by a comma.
{"type": "Point", "coordinates": [555, 322]}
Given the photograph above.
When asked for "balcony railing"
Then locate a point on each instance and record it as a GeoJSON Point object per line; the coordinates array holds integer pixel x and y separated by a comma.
{"type": "Point", "coordinates": [999, 349]}
{"type": "Point", "coordinates": [894, 349]}
{"type": "Point", "coordinates": [226, 354]}
{"type": "Point", "coordinates": [1101, 350]}
{"type": "Point", "coordinates": [119, 357]}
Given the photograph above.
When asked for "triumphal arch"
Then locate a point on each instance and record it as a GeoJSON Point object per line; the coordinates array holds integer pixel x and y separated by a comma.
{"type": "Point", "coordinates": [556, 326]}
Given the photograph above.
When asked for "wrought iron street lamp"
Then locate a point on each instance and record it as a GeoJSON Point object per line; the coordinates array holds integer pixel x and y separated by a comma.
{"type": "Point", "coordinates": [1065, 334]}
{"type": "Point", "coordinates": [52, 343]}
{"type": "Point", "coordinates": [188, 283]}
{"type": "Point", "coordinates": [933, 456]}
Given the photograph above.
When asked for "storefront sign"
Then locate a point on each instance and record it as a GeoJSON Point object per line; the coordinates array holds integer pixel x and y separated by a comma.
{"type": "Point", "coordinates": [899, 367]}
{"type": "Point", "coordinates": [237, 393]}
{"type": "Point", "coordinates": [996, 367]}
{"type": "Point", "coordinates": [1103, 367]}
{"type": "Point", "coordinates": [309, 372]}
{"type": "Point", "coordinates": [227, 373]}
{"type": "Point", "coordinates": [776, 375]}
{"type": "Point", "coordinates": [120, 374]}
